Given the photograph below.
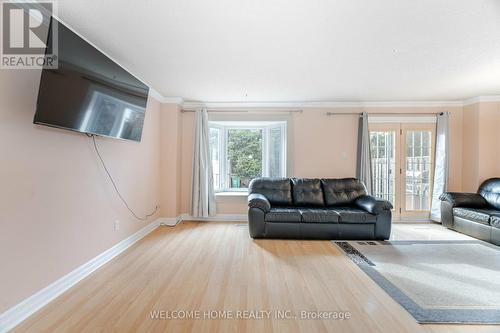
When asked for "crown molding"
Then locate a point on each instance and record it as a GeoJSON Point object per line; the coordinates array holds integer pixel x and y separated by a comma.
{"type": "Point", "coordinates": [156, 95]}
{"type": "Point", "coordinates": [165, 100]}
{"type": "Point", "coordinates": [172, 100]}
{"type": "Point", "coordinates": [193, 105]}
{"type": "Point", "coordinates": [189, 105]}
{"type": "Point", "coordinates": [481, 99]}
{"type": "Point", "coordinates": [304, 105]}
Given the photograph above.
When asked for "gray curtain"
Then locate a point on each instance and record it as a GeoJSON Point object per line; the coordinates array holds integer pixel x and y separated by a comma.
{"type": "Point", "coordinates": [203, 196]}
{"type": "Point", "coordinates": [441, 162]}
{"type": "Point", "coordinates": [364, 165]}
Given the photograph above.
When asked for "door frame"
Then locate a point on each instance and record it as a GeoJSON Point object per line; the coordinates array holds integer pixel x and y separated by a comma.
{"type": "Point", "coordinates": [412, 215]}
{"type": "Point", "coordinates": [399, 212]}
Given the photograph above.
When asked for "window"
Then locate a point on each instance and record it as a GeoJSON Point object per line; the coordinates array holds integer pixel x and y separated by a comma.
{"type": "Point", "coordinates": [243, 150]}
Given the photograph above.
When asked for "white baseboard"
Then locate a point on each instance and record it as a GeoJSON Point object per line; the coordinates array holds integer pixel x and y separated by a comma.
{"type": "Point", "coordinates": [217, 218]}
{"type": "Point", "coordinates": [18, 313]}
{"type": "Point", "coordinates": [416, 221]}
{"type": "Point", "coordinates": [170, 221]}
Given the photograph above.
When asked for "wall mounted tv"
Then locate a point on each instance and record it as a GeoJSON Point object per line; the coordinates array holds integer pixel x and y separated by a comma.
{"type": "Point", "coordinates": [90, 93]}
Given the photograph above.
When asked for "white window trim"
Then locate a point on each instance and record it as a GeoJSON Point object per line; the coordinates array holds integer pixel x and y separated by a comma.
{"type": "Point", "coordinates": [266, 128]}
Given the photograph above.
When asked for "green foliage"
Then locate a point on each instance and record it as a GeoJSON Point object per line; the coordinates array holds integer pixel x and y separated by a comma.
{"type": "Point", "coordinates": [245, 152]}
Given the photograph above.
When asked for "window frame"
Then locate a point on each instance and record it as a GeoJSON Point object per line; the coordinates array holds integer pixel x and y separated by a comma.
{"type": "Point", "coordinates": [221, 147]}
{"type": "Point", "coordinates": [266, 127]}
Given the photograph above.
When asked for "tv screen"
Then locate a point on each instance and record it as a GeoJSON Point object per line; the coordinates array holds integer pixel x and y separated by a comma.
{"type": "Point", "coordinates": [89, 92]}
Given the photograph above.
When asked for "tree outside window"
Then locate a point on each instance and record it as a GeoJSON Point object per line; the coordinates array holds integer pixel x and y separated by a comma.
{"type": "Point", "coordinates": [244, 153]}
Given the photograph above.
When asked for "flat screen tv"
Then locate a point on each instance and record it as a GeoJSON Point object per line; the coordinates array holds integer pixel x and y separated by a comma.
{"type": "Point", "coordinates": [88, 92]}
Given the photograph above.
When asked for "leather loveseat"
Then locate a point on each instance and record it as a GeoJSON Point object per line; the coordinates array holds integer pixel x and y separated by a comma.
{"type": "Point", "coordinates": [316, 209]}
{"type": "Point", "coordinates": [474, 214]}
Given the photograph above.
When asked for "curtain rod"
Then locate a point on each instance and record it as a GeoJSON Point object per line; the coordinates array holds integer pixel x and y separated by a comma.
{"type": "Point", "coordinates": [384, 114]}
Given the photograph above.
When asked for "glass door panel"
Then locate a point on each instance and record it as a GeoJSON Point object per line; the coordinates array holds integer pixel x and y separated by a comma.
{"type": "Point", "coordinates": [383, 152]}
{"type": "Point", "coordinates": [384, 148]}
{"type": "Point", "coordinates": [418, 162]}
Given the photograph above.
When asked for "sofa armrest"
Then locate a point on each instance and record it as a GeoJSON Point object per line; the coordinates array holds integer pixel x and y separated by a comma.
{"type": "Point", "coordinates": [372, 205]}
{"type": "Point", "coordinates": [257, 200]}
{"type": "Point", "coordinates": [471, 200]}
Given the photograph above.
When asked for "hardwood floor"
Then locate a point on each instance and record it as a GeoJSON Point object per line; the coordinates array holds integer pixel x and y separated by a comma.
{"type": "Point", "coordinates": [217, 266]}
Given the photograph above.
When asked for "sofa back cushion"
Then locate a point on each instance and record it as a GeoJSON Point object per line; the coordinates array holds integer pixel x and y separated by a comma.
{"type": "Point", "coordinates": [490, 191]}
{"type": "Point", "coordinates": [307, 192]}
{"type": "Point", "coordinates": [277, 190]}
{"type": "Point", "coordinates": [343, 191]}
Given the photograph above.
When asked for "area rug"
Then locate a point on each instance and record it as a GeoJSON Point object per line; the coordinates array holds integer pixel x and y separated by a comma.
{"type": "Point", "coordinates": [435, 281]}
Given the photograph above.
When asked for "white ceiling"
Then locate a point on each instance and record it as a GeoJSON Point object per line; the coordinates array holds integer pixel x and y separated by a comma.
{"type": "Point", "coordinates": [308, 50]}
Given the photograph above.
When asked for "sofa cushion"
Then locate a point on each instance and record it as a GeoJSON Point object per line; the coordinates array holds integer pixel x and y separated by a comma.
{"type": "Point", "coordinates": [319, 215]}
{"type": "Point", "coordinates": [283, 214]}
{"type": "Point", "coordinates": [307, 192]}
{"type": "Point", "coordinates": [474, 214]}
{"type": "Point", "coordinates": [277, 190]}
{"type": "Point", "coordinates": [354, 215]}
{"type": "Point", "coordinates": [490, 191]}
{"type": "Point", "coordinates": [342, 192]}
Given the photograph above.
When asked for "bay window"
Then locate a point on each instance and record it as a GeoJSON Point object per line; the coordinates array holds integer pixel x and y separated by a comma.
{"type": "Point", "coordinates": [243, 150]}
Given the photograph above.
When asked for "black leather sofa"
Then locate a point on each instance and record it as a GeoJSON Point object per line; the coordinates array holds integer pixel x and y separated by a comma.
{"type": "Point", "coordinates": [474, 214]}
{"type": "Point", "coordinates": [316, 209]}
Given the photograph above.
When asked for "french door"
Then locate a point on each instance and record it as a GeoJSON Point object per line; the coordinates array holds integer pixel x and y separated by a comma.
{"type": "Point", "coordinates": [402, 157]}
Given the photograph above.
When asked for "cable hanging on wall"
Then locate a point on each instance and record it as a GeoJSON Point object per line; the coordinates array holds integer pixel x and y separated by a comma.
{"type": "Point", "coordinates": [114, 184]}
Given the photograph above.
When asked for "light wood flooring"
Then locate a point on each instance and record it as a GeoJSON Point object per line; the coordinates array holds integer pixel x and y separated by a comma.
{"type": "Point", "coordinates": [216, 266]}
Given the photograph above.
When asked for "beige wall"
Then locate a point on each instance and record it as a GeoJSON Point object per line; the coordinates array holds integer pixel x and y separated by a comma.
{"type": "Point", "coordinates": [170, 166]}
{"type": "Point", "coordinates": [481, 133]}
{"type": "Point", "coordinates": [489, 139]}
{"type": "Point", "coordinates": [57, 208]}
{"type": "Point", "coordinates": [186, 149]}
{"type": "Point", "coordinates": [322, 147]}
{"type": "Point", "coordinates": [470, 148]}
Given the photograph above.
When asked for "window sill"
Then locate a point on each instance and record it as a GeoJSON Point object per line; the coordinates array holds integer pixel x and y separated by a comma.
{"type": "Point", "coordinates": [231, 194]}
